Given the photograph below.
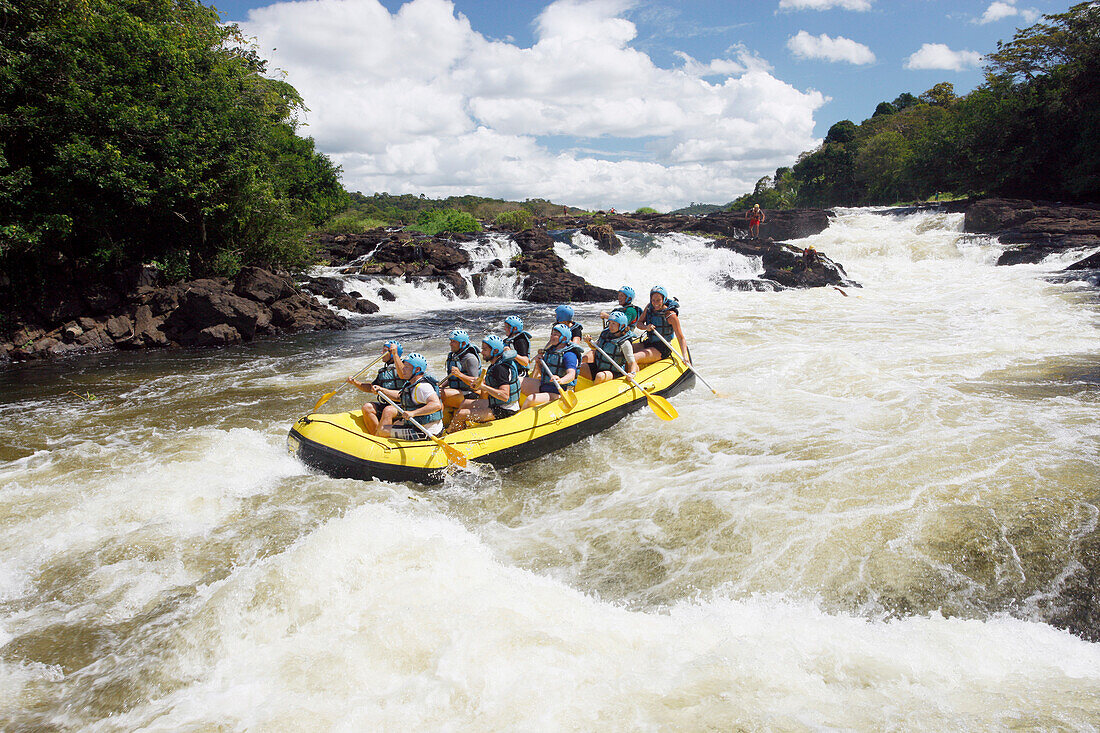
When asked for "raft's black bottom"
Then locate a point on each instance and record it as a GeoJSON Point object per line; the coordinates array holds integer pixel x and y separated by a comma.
{"type": "Point", "coordinates": [341, 465]}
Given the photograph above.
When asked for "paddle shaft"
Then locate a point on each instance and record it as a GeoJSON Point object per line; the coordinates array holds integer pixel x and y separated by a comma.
{"type": "Point", "coordinates": [548, 375]}
{"type": "Point", "coordinates": [451, 452]}
{"type": "Point", "coordinates": [664, 341]}
{"type": "Point", "coordinates": [408, 417]}
{"type": "Point", "coordinates": [326, 397]}
{"type": "Point", "coordinates": [662, 407]}
{"type": "Point", "coordinates": [622, 371]}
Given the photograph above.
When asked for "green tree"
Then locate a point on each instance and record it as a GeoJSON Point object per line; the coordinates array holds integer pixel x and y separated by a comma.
{"type": "Point", "coordinates": [133, 130]}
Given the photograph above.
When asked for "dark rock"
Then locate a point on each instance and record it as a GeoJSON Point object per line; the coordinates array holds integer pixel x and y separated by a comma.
{"type": "Point", "coordinates": [457, 283]}
{"type": "Point", "coordinates": [27, 335]}
{"type": "Point", "coordinates": [43, 345]}
{"type": "Point", "coordinates": [533, 240]}
{"type": "Point", "coordinates": [1091, 262]}
{"type": "Point", "coordinates": [438, 254]}
{"type": "Point", "coordinates": [261, 285]}
{"type": "Point", "coordinates": [1037, 229]}
{"type": "Point", "coordinates": [147, 328]}
{"type": "Point", "coordinates": [86, 323]}
{"type": "Point", "coordinates": [788, 266]}
{"type": "Point", "coordinates": [327, 287]}
{"type": "Point", "coordinates": [300, 312]}
{"type": "Point", "coordinates": [221, 334]}
{"type": "Point", "coordinates": [165, 300]}
{"type": "Point", "coordinates": [605, 237]}
{"type": "Point", "coordinates": [95, 339]}
{"type": "Point", "coordinates": [548, 281]}
{"type": "Point", "coordinates": [120, 328]}
{"type": "Point", "coordinates": [207, 303]}
{"type": "Point", "coordinates": [71, 331]}
{"type": "Point", "coordinates": [386, 295]}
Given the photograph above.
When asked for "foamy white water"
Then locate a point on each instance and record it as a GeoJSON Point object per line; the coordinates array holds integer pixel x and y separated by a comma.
{"type": "Point", "coordinates": [878, 527]}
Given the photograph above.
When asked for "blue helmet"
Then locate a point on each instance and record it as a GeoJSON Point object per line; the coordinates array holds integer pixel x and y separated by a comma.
{"type": "Point", "coordinates": [563, 313]}
{"type": "Point", "coordinates": [659, 289]}
{"type": "Point", "coordinates": [515, 322]}
{"type": "Point", "coordinates": [628, 292]}
{"type": "Point", "coordinates": [495, 344]}
{"type": "Point", "coordinates": [460, 336]}
{"type": "Point", "coordinates": [564, 334]}
{"type": "Point", "coordinates": [618, 317]}
{"type": "Point", "coordinates": [418, 363]}
{"type": "Point", "coordinates": [394, 342]}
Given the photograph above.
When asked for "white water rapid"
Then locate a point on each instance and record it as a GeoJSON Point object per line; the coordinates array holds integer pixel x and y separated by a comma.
{"type": "Point", "coordinates": [885, 522]}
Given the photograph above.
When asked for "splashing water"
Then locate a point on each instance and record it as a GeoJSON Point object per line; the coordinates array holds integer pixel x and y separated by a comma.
{"type": "Point", "coordinates": [875, 530]}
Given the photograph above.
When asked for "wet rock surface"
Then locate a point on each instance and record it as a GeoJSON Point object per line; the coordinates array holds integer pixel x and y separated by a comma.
{"type": "Point", "coordinates": [132, 310]}
{"type": "Point", "coordinates": [1035, 230]}
{"type": "Point", "coordinates": [785, 266]}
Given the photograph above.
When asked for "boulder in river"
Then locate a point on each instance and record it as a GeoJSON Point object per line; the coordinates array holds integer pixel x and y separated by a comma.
{"type": "Point", "coordinates": [1034, 230]}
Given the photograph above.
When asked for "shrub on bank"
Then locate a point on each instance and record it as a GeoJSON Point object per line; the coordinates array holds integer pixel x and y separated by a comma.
{"type": "Point", "coordinates": [444, 220]}
{"type": "Point", "coordinates": [515, 220]}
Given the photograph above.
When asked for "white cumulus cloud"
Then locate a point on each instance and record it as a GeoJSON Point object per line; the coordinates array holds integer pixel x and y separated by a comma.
{"type": "Point", "coordinates": [940, 57]}
{"type": "Point", "coordinates": [806, 46]}
{"type": "Point", "coordinates": [824, 4]}
{"type": "Point", "coordinates": [1001, 9]}
{"type": "Point", "coordinates": [417, 101]}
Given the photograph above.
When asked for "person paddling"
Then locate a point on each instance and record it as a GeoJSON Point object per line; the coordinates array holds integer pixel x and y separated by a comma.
{"type": "Point", "coordinates": [499, 394]}
{"type": "Point", "coordinates": [388, 377]}
{"type": "Point", "coordinates": [615, 342]}
{"type": "Point", "coordinates": [662, 314]}
{"type": "Point", "coordinates": [419, 397]}
{"type": "Point", "coordinates": [626, 305]}
{"type": "Point", "coordinates": [462, 359]}
{"type": "Point", "coordinates": [555, 366]}
{"type": "Point", "coordinates": [519, 341]}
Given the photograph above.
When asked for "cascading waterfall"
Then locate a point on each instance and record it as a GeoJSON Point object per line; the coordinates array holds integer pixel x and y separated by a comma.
{"type": "Point", "coordinates": [883, 523]}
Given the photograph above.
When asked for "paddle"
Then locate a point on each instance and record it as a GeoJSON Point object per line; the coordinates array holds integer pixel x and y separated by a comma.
{"type": "Point", "coordinates": [569, 399]}
{"type": "Point", "coordinates": [657, 403]}
{"type": "Point", "coordinates": [657, 333]}
{"type": "Point", "coordinates": [328, 395]}
{"type": "Point", "coordinates": [453, 454]}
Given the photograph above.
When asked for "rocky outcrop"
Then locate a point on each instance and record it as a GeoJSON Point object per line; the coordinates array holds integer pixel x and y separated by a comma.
{"type": "Point", "coordinates": [605, 237]}
{"type": "Point", "coordinates": [1034, 230]}
{"type": "Point", "coordinates": [546, 279]}
{"type": "Point", "coordinates": [779, 225]}
{"type": "Point", "coordinates": [130, 310]}
{"type": "Point", "coordinates": [785, 266]}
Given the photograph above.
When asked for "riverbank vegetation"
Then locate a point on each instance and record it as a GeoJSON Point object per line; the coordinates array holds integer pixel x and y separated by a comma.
{"type": "Point", "coordinates": [1029, 131]}
{"type": "Point", "coordinates": [385, 209]}
{"type": "Point", "coordinates": [146, 131]}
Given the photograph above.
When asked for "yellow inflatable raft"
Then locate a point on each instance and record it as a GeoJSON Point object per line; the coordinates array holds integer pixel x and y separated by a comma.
{"type": "Point", "coordinates": [338, 445]}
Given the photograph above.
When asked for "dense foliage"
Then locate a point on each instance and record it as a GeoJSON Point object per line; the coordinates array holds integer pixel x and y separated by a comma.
{"type": "Point", "coordinates": [437, 221]}
{"type": "Point", "coordinates": [138, 130]}
{"type": "Point", "coordinates": [1030, 130]}
{"type": "Point", "coordinates": [382, 209]}
{"type": "Point", "coordinates": [516, 220]}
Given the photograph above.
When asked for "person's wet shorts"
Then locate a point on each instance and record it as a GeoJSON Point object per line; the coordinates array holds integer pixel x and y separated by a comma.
{"type": "Point", "coordinates": [500, 412]}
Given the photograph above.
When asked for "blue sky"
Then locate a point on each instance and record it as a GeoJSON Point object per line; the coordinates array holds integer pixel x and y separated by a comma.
{"type": "Point", "coordinates": [606, 102]}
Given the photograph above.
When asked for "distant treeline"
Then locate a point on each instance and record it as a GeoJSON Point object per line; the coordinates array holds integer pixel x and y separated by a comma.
{"type": "Point", "coordinates": [145, 130]}
{"type": "Point", "coordinates": [1031, 130]}
{"type": "Point", "coordinates": [385, 209]}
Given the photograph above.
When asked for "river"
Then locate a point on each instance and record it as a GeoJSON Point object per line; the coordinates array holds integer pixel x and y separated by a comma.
{"type": "Point", "coordinates": [881, 523]}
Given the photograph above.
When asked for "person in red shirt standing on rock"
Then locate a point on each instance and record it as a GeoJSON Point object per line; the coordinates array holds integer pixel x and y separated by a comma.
{"type": "Point", "coordinates": [755, 217]}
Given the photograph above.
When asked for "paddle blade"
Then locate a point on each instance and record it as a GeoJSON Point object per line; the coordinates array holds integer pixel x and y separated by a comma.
{"type": "Point", "coordinates": [569, 400]}
{"type": "Point", "coordinates": [454, 455]}
{"type": "Point", "coordinates": [662, 407]}
{"type": "Point", "coordinates": [324, 398]}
